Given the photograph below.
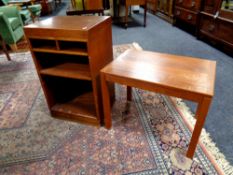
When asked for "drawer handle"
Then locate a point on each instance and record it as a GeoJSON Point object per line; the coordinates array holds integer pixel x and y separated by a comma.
{"type": "Point", "coordinates": [178, 12]}
{"type": "Point", "coordinates": [190, 17]}
{"type": "Point", "coordinates": [211, 28]}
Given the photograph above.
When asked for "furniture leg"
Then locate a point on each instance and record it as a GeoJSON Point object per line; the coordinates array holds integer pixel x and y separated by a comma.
{"type": "Point", "coordinates": [201, 114]}
{"type": "Point", "coordinates": [129, 93]}
{"type": "Point", "coordinates": [118, 10]}
{"type": "Point", "coordinates": [5, 50]}
{"type": "Point", "coordinates": [145, 11]}
{"type": "Point", "coordinates": [126, 16]}
{"type": "Point", "coordinates": [106, 102]}
{"type": "Point", "coordinates": [13, 47]}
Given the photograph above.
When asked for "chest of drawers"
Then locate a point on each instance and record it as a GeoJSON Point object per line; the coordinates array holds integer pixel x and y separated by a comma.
{"type": "Point", "coordinates": [187, 10]}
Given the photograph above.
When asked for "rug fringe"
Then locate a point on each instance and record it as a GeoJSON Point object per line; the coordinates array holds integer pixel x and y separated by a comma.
{"type": "Point", "coordinates": [137, 46]}
{"type": "Point", "coordinates": [206, 139]}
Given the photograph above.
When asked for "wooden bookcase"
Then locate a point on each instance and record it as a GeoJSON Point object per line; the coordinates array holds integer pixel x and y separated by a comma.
{"type": "Point", "coordinates": [68, 52]}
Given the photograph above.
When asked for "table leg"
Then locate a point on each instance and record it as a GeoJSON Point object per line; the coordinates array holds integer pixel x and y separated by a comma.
{"type": "Point", "coordinates": [126, 16]}
{"type": "Point", "coordinates": [5, 49]}
{"type": "Point", "coordinates": [106, 102]}
{"type": "Point", "coordinates": [201, 114]}
{"type": "Point", "coordinates": [129, 93]}
{"type": "Point", "coordinates": [145, 11]}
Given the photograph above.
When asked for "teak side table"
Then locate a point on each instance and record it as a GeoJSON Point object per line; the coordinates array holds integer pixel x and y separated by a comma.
{"type": "Point", "coordinates": [69, 52]}
{"type": "Point", "coordinates": [184, 77]}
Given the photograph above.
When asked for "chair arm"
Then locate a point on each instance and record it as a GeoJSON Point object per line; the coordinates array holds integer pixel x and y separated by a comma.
{"type": "Point", "coordinates": [6, 30]}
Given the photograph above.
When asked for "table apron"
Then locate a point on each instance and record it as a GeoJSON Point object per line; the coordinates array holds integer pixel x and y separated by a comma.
{"type": "Point", "coordinates": [188, 95]}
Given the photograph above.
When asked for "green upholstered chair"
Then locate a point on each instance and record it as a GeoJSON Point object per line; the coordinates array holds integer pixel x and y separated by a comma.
{"type": "Point", "coordinates": [35, 10]}
{"type": "Point", "coordinates": [25, 13]}
{"type": "Point", "coordinates": [11, 25]}
{"type": "Point", "coordinates": [28, 12]}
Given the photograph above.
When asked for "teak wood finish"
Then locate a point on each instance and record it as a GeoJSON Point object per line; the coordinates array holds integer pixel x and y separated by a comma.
{"type": "Point", "coordinates": [68, 52]}
{"type": "Point", "coordinates": [184, 77]}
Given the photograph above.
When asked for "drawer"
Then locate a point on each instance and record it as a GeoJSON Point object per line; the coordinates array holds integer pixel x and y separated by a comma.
{"type": "Point", "coordinates": [189, 4]}
{"type": "Point", "coordinates": [208, 25]}
{"type": "Point", "coordinates": [210, 6]}
{"type": "Point", "coordinates": [185, 15]}
{"type": "Point", "coordinates": [225, 31]}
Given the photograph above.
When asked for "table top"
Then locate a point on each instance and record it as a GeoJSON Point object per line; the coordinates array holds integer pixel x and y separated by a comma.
{"type": "Point", "coordinates": [69, 22]}
{"type": "Point", "coordinates": [165, 70]}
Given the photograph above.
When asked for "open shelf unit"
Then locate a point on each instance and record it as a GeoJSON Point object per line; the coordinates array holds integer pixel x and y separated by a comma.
{"type": "Point", "coordinates": [68, 53]}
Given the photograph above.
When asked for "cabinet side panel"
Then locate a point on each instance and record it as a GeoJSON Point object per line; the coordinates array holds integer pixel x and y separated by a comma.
{"type": "Point", "coordinates": [100, 54]}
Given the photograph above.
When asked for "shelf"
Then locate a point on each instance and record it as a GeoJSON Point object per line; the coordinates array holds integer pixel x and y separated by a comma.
{"type": "Point", "coordinates": [69, 70]}
{"type": "Point", "coordinates": [43, 44]}
{"type": "Point", "coordinates": [73, 51]}
{"type": "Point", "coordinates": [82, 108]}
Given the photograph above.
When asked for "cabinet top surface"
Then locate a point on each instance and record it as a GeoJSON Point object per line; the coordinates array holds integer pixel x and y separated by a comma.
{"type": "Point", "coordinates": [165, 70]}
{"type": "Point", "coordinates": [69, 22]}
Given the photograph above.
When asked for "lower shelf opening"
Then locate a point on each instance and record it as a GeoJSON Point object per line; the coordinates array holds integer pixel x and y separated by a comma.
{"type": "Point", "coordinates": [72, 99]}
{"type": "Point", "coordinates": [81, 108]}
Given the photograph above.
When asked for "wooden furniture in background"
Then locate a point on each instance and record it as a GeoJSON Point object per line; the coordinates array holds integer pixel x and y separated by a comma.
{"type": "Point", "coordinates": [152, 6]}
{"type": "Point", "coordinates": [187, 11]}
{"type": "Point", "coordinates": [216, 22]}
{"type": "Point", "coordinates": [68, 53]}
{"type": "Point", "coordinates": [127, 4]}
{"type": "Point", "coordinates": [3, 45]}
{"type": "Point", "coordinates": [183, 77]}
{"type": "Point", "coordinates": [88, 7]}
{"type": "Point", "coordinates": [165, 10]}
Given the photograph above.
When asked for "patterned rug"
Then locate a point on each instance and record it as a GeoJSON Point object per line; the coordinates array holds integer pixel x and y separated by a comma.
{"type": "Point", "coordinates": [150, 139]}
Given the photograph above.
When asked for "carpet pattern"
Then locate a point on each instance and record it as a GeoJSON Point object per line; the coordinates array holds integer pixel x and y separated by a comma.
{"type": "Point", "coordinates": [150, 139]}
